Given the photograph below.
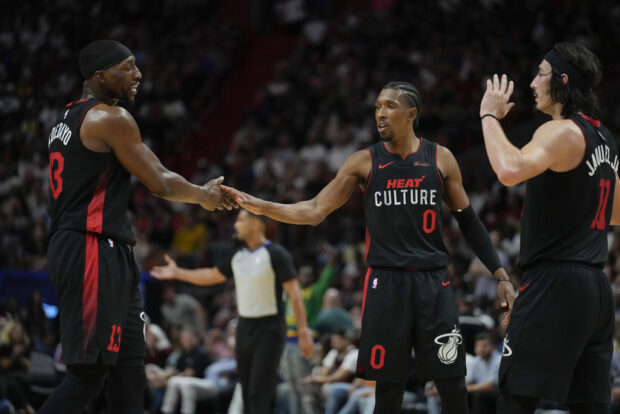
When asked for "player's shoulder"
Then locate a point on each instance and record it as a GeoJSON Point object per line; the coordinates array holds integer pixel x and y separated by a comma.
{"type": "Point", "coordinates": [109, 115]}
{"type": "Point", "coordinates": [444, 155]}
{"type": "Point", "coordinates": [560, 129]}
{"type": "Point", "coordinates": [359, 163]}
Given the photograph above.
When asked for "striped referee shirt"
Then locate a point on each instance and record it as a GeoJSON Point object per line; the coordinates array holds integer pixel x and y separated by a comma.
{"type": "Point", "coordinates": [259, 275]}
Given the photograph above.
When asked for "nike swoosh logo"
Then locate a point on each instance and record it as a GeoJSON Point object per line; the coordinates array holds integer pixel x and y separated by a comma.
{"type": "Point", "coordinates": [382, 166]}
{"type": "Point", "coordinates": [445, 283]}
{"type": "Point", "coordinates": [522, 288]}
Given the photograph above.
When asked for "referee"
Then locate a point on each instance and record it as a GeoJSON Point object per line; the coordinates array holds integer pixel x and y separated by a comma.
{"type": "Point", "coordinates": [260, 269]}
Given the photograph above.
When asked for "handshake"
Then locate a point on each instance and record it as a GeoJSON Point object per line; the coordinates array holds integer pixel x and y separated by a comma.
{"type": "Point", "coordinates": [220, 197]}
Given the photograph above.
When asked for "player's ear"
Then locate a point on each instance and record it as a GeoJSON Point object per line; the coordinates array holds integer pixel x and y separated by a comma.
{"type": "Point", "coordinates": [413, 113]}
{"type": "Point", "coordinates": [100, 76]}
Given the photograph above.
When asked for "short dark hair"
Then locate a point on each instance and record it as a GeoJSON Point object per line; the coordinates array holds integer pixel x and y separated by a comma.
{"type": "Point", "coordinates": [411, 94]}
{"type": "Point", "coordinates": [484, 336]}
{"type": "Point", "coordinates": [572, 98]}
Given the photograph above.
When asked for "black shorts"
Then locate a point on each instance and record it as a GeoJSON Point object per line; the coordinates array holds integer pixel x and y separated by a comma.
{"type": "Point", "coordinates": [404, 309]}
{"type": "Point", "coordinates": [559, 342]}
{"type": "Point", "coordinates": [100, 307]}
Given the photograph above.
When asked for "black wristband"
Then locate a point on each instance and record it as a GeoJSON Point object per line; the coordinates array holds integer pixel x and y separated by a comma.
{"type": "Point", "coordinates": [478, 238]}
{"type": "Point", "coordinates": [491, 115]}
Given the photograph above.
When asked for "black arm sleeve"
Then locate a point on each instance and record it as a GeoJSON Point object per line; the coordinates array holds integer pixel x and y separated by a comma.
{"type": "Point", "coordinates": [478, 238]}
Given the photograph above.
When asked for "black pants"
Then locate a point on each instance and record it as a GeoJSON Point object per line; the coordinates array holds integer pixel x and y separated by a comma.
{"type": "Point", "coordinates": [259, 347]}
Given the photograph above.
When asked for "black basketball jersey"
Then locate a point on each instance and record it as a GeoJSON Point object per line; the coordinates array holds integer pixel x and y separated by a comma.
{"type": "Point", "coordinates": [89, 191]}
{"type": "Point", "coordinates": [402, 203]}
{"type": "Point", "coordinates": [566, 215]}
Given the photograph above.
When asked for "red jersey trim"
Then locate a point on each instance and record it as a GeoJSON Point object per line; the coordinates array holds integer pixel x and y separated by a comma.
{"type": "Point", "coordinates": [413, 152]}
{"type": "Point", "coordinates": [367, 245]}
{"type": "Point", "coordinates": [90, 289]}
{"type": "Point", "coordinates": [594, 122]}
{"type": "Point", "coordinates": [94, 224]}
{"type": "Point", "coordinates": [368, 272]}
{"type": "Point", "coordinates": [76, 102]}
{"type": "Point", "coordinates": [94, 216]}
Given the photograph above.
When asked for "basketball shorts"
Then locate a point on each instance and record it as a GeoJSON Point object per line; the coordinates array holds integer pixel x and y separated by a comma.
{"type": "Point", "coordinates": [100, 307]}
{"type": "Point", "coordinates": [404, 310]}
{"type": "Point", "coordinates": [559, 342]}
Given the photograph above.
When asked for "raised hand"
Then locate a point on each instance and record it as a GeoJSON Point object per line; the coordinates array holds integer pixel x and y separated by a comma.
{"type": "Point", "coordinates": [167, 272]}
{"type": "Point", "coordinates": [496, 97]}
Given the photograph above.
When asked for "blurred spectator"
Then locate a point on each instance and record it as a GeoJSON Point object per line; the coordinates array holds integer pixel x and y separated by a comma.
{"type": "Point", "coordinates": [37, 324]}
{"type": "Point", "coordinates": [333, 317]}
{"type": "Point", "coordinates": [337, 372]}
{"type": "Point", "coordinates": [189, 240]}
{"type": "Point", "coordinates": [482, 375]}
{"type": "Point", "coordinates": [190, 361]}
{"type": "Point", "coordinates": [12, 393]}
{"type": "Point", "coordinates": [293, 366]}
{"type": "Point", "coordinates": [181, 309]}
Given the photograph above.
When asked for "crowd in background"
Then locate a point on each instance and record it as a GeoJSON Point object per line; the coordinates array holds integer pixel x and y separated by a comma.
{"type": "Point", "coordinates": [297, 130]}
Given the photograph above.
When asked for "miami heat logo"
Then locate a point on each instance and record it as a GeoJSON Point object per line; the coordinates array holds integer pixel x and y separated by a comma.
{"type": "Point", "coordinates": [506, 350]}
{"type": "Point", "coordinates": [143, 318]}
{"type": "Point", "coordinates": [449, 349]}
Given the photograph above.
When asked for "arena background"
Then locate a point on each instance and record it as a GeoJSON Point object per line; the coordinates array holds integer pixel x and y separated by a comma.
{"type": "Point", "coordinates": [274, 95]}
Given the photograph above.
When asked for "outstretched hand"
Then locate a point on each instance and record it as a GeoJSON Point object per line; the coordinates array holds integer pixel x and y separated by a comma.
{"type": "Point", "coordinates": [505, 294]}
{"type": "Point", "coordinates": [496, 97]}
{"type": "Point", "coordinates": [248, 202]}
{"type": "Point", "coordinates": [167, 272]}
{"type": "Point", "coordinates": [216, 198]}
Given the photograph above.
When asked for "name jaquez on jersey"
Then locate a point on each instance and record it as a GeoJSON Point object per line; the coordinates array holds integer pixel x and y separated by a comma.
{"type": "Point", "coordinates": [600, 156]}
{"type": "Point", "coordinates": [404, 191]}
{"type": "Point", "coordinates": [61, 132]}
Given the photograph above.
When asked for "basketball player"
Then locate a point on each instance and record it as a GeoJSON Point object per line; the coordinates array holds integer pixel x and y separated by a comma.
{"type": "Point", "coordinates": [94, 148]}
{"type": "Point", "coordinates": [408, 300]}
{"type": "Point", "coordinates": [260, 270]}
{"type": "Point", "coordinates": [558, 345]}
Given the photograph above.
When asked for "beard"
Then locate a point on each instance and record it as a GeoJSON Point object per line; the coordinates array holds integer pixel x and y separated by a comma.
{"type": "Point", "coordinates": [386, 138]}
{"type": "Point", "coordinates": [126, 102]}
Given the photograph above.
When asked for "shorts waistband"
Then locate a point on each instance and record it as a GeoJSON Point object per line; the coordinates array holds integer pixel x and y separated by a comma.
{"type": "Point", "coordinates": [550, 263]}
{"type": "Point", "coordinates": [405, 269]}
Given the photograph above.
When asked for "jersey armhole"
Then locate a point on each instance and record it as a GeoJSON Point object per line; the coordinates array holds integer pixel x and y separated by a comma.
{"type": "Point", "coordinates": [439, 174]}
{"type": "Point", "coordinates": [79, 125]}
{"type": "Point", "coordinates": [369, 174]}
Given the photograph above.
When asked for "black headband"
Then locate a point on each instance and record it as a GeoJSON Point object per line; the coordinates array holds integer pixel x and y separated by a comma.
{"type": "Point", "coordinates": [560, 64]}
{"type": "Point", "coordinates": [101, 55]}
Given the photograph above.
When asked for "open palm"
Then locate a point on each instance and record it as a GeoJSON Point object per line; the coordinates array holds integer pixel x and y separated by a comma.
{"type": "Point", "coordinates": [165, 272]}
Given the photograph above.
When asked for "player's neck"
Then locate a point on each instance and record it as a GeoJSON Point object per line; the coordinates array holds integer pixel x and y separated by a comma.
{"type": "Point", "coordinates": [255, 241]}
{"type": "Point", "coordinates": [404, 145]}
{"type": "Point", "coordinates": [555, 112]}
{"type": "Point", "coordinates": [91, 92]}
